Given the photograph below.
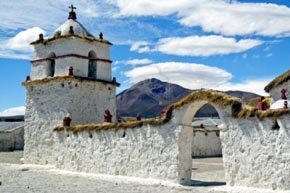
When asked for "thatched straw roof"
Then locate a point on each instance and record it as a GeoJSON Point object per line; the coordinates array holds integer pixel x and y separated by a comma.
{"type": "Point", "coordinates": [66, 78]}
{"type": "Point", "coordinates": [45, 41]}
{"type": "Point", "coordinates": [278, 81]}
{"type": "Point", "coordinates": [215, 97]}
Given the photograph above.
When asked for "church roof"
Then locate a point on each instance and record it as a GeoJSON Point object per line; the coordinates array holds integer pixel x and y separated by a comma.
{"type": "Point", "coordinates": [278, 81]}
{"type": "Point", "coordinates": [78, 29]}
{"type": "Point", "coordinates": [71, 28]}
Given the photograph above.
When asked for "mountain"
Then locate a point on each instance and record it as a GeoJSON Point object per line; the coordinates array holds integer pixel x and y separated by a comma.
{"type": "Point", "coordinates": [150, 96]}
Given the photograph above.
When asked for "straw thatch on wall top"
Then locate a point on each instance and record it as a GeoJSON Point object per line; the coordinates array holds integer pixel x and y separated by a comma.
{"type": "Point", "coordinates": [45, 41]}
{"type": "Point", "coordinates": [278, 81]}
{"type": "Point", "coordinates": [212, 96]}
{"type": "Point", "coordinates": [215, 97]}
{"type": "Point", "coordinates": [66, 78]}
{"type": "Point", "coordinates": [116, 126]}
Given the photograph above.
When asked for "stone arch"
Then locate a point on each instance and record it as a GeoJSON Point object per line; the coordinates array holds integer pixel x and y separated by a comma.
{"type": "Point", "coordinates": [51, 64]}
{"type": "Point", "coordinates": [92, 65]}
{"type": "Point", "coordinates": [183, 117]}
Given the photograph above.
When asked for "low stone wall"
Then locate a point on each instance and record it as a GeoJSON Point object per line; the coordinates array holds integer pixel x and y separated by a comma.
{"type": "Point", "coordinates": [206, 144]}
{"type": "Point", "coordinates": [147, 151]}
{"type": "Point", "coordinates": [12, 139]}
{"type": "Point", "coordinates": [255, 155]}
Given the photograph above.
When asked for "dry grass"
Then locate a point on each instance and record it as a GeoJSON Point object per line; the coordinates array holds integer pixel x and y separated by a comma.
{"type": "Point", "coordinates": [278, 81]}
{"type": "Point", "coordinates": [212, 96]}
{"type": "Point", "coordinates": [65, 78]}
{"type": "Point", "coordinates": [117, 126]}
{"type": "Point", "coordinates": [272, 113]}
{"type": "Point", "coordinates": [45, 41]}
{"type": "Point", "coordinates": [215, 97]}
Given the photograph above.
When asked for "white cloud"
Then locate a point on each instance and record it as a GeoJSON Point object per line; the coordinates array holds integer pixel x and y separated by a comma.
{"type": "Point", "coordinates": [23, 39]}
{"type": "Point", "coordinates": [140, 46]}
{"type": "Point", "coordinates": [252, 85]}
{"type": "Point", "coordinates": [188, 75]}
{"type": "Point", "coordinates": [204, 45]}
{"type": "Point", "coordinates": [152, 7]}
{"type": "Point", "coordinates": [13, 111]}
{"type": "Point", "coordinates": [219, 16]}
{"type": "Point", "coordinates": [195, 76]}
{"type": "Point", "coordinates": [47, 15]}
{"type": "Point", "coordinates": [19, 45]}
{"type": "Point", "coordinates": [135, 62]}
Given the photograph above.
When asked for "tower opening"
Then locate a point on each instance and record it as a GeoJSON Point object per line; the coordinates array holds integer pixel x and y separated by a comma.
{"type": "Point", "coordinates": [51, 65]}
{"type": "Point", "coordinates": [92, 71]}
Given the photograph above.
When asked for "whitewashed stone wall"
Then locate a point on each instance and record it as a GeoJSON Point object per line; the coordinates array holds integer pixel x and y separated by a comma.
{"type": "Point", "coordinates": [12, 139]}
{"type": "Point", "coordinates": [47, 104]}
{"type": "Point", "coordinates": [256, 156]}
{"type": "Point", "coordinates": [206, 144]}
{"type": "Point", "coordinates": [253, 154]}
{"type": "Point", "coordinates": [71, 45]}
{"type": "Point", "coordinates": [275, 93]}
{"type": "Point", "coordinates": [150, 152]}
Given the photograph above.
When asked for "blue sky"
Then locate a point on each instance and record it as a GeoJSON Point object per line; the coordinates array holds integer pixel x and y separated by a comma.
{"type": "Point", "coordinates": [220, 44]}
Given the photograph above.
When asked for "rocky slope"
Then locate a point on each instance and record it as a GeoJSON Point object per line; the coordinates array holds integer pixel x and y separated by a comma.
{"type": "Point", "coordinates": [149, 97]}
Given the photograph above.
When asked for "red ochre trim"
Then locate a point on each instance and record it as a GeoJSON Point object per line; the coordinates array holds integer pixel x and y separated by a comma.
{"type": "Point", "coordinates": [71, 55]}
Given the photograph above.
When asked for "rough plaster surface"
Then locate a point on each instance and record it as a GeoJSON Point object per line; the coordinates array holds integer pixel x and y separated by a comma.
{"type": "Point", "coordinates": [143, 152]}
{"type": "Point", "coordinates": [71, 45]}
{"type": "Point", "coordinates": [12, 139]}
{"type": "Point", "coordinates": [47, 104]}
{"type": "Point", "coordinates": [206, 144]}
{"type": "Point", "coordinates": [256, 156]}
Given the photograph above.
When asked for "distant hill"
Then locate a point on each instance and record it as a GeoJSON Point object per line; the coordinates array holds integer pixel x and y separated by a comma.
{"type": "Point", "coordinates": [150, 96]}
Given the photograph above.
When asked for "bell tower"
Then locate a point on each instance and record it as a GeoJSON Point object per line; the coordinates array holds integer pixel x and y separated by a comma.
{"type": "Point", "coordinates": [71, 75]}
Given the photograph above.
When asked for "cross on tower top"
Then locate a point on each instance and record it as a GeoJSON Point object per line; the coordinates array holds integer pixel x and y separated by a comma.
{"type": "Point", "coordinates": [72, 7]}
{"type": "Point", "coordinates": [72, 14]}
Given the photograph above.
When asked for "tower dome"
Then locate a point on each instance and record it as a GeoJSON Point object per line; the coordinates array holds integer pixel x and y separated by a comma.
{"type": "Point", "coordinates": [72, 26]}
{"type": "Point", "coordinates": [78, 29]}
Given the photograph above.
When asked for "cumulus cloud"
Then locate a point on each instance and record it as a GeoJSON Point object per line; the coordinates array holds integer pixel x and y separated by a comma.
{"type": "Point", "coordinates": [19, 45]}
{"type": "Point", "coordinates": [13, 111]}
{"type": "Point", "coordinates": [47, 15]}
{"type": "Point", "coordinates": [218, 16]}
{"type": "Point", "coordinates": [204, 45]}
{"type": "Point", "coordinates": [188, 75]}
{"type": "Point", "coordinates": [23, 39]}
{"type": "Point", "coordinates": [251, 85]}
{"type": "Point", "coordinates": [195, 76]}
{"type": "Point", "coordinates": [135, 62]}
{"type": "Point", "coordinates": [140, 46]}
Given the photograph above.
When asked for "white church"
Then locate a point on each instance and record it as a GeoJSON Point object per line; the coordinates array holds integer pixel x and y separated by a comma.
{"type": "Point", "coordinates": [71, 76]}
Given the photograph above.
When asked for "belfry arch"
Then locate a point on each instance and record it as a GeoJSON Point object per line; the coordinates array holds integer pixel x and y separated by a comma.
{"type": "Point", "coordinates": [51, 65]}
{"type": "Point", "coordinates": [92, 65]}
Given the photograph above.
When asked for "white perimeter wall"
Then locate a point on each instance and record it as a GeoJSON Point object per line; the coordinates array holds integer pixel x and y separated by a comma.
{"type": "Point", "coordinates": [256, 156]}
{"type": "Point", "coordinates": [206, 145]}
{"type": "Point", "coordinates": [148, 151]}
{"type": "Point", "coordinates": [12, 140]}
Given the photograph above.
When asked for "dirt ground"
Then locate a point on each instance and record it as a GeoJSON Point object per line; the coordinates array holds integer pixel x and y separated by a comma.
{"type": "Point", "coordinates": [207, 177]}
